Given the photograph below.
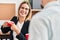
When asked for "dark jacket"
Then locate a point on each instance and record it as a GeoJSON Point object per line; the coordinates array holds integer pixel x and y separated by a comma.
{"type": "Point", "coordinates": [24, 29]}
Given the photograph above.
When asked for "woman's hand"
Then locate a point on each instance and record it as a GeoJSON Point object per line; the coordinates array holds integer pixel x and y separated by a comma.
{"type": "Point", "coordinates": [12, 26]}
{"type": "Point", "coordinates": [8, 24]}
{"type": "Point", "coordinates": [5, 24]}
{"type": "Point", "coordinates": [15, 28]}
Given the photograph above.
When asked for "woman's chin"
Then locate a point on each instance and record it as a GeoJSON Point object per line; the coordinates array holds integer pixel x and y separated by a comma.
{"type": "Point", "coordinates": [23, 15]}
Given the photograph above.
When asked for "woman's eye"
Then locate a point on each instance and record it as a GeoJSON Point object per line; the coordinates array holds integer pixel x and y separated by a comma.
{"type": "Point", "coordinates": [25, 8]}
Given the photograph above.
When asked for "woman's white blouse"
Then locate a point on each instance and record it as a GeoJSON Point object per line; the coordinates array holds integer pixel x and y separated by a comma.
{"type": "Point", "coordinates": [19, 25]}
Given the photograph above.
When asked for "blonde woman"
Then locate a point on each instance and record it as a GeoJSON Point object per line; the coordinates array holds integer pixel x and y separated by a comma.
{"type": "Point", "coordinates": [21, 22]}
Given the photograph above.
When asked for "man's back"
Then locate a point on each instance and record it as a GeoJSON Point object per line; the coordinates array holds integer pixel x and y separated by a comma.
{"type": "Point", "coordinates": [45, 25]}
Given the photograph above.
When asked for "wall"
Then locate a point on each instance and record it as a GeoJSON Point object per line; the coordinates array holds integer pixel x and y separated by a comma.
{"type": "Point", "coordinates": [12, 3]}
{"type": "Point", "coordinates": [36, 4]}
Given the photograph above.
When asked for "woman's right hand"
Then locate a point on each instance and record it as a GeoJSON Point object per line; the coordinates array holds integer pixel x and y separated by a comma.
{"type": "Point", "coordinates": [5, 24]}
{"type": "Point", "coordinates": [8, 24]}
{"type": "Point", "coordinates": [13, 26]}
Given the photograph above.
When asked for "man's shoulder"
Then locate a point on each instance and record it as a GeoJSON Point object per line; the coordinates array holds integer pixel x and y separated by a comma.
{"type": "Point", "coordinates": [46, 13]}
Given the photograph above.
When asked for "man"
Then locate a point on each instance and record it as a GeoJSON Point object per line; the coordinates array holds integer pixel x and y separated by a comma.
{"type": "Point", "coordinates": [45, 25]}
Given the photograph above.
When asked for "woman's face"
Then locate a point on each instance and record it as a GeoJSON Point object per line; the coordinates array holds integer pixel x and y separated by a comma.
{"type": "Point", "coordinates": [23, 12]}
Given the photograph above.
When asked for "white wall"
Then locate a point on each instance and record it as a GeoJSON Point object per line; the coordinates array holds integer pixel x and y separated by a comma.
{"type": "Point", "coordinates": [36, 4]}
{"type": "Point", "coordinates": [17, 2]}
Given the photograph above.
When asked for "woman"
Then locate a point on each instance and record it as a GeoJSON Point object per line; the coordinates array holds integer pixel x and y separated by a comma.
{"type": "Point", "coordinates": [21, 22]}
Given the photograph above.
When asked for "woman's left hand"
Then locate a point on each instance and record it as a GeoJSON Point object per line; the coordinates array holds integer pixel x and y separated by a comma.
{"type": "Point", "coordinates": [15, 28]}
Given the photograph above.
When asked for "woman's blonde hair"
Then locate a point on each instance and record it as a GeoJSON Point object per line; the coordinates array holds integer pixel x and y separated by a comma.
{"type": "Point", "coordinates": [29, 13]}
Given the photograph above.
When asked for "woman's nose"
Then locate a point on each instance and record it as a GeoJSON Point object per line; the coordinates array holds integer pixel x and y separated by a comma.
{"type": "Point", "coordinates": [24, 10]}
